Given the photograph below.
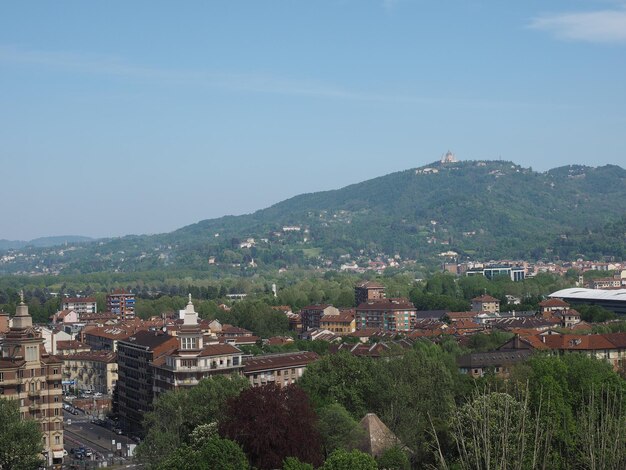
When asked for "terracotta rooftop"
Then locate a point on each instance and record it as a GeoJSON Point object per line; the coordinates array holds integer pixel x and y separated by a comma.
{"type": "Point", "coordinates": [219, 350]}
{"type": "Point", "coordinates": [97, 356]}
{"type": "Point", "coordinates": [279, 361]}
{"type": "Point", "coordinates": [553, 303]}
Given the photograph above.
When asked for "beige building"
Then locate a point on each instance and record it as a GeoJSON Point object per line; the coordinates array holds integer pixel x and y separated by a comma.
{"type": "Point", "coordinates": [281, 369]}
{"type": "Point", "coordinates": [31, 376]}
{"type": "Point", "coordinates": [342, 323]}
{"type": "Point", "coordinates": [95, 371]}
{"type": "Point", "coordinates": [485, 303]}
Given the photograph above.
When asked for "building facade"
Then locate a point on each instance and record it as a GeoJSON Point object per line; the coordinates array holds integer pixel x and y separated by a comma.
{"type": "Point", "coordinates": [485, 303]}
{"type": "Point", "coordinates": [121, 303]}
{"type": "Point", "coordinates": [369, 290]}
{"type": "Point", "coordinates": [386, 314]}
{"type": "Point", "coordinates": [94, 371]}
{"type": "Point", "coordinates": [134, 390]}
{"type": "Point", "coordinates": [311, 315]}
{"type": "Point", "coordinates": [280, 369]}
{"type": "Point", "coordinates": [32, 377]}
{"type": "Point", "coordinates": [193, 360]}
{"type": "Point", "coordinates": [81, 305]}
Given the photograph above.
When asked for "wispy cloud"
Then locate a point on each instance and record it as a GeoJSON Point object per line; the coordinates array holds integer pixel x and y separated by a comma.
{"type": "Point", "coordinates": [605, 26]}
{"type": "Point", "coordinates": [114, 67]}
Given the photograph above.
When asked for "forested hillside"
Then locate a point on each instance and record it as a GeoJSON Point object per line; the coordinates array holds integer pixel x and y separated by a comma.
{"type": "Point", "coordinates": [481, 210]}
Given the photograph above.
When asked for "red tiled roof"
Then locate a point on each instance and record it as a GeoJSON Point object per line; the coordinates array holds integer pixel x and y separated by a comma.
{"type": "Point", "coordinates": [97, 356]}
{"type": "Point", "coordinates": [279, 361]}
{"type": "Point", "coordinates": [219, 350]}
{"type": "Point", "coordinates": [71, 344]}
{"type": "Point", "coordinates": [578, 342]}
{"type": "Point", "coordinates": [553, 303]}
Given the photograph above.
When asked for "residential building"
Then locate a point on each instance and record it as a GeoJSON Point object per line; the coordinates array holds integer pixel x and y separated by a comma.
{"type": "Point", "coordinates": [396, 315]}
{"type": "Point", "coordinates": [311, 315]}
{"type": "Point", "coordinates": [32, 377]}
{"type": "Point", "coordinates": [497, 362]}
{"type": "Point", "coordinates": [52, 337]}
{"type": "Point", "coordinates": [368, 290]}
{"type": "Point", "coordinates": [65, 316]}
{"type": "Point", "coordinates": [105, 337]}
{"type": "Point", "coordinates": [121, 303]}
{"type": "Point", "coordinates": [485, 303]}
{"type": "Point", "coordinates": [605, 283]}
{"type": "Point", "coordinates": [549, 307]}
{"type": "Point", "coordinates": [135, 357]}
{"type": "Point", "coordinates": [281, 369]}
{"type": "Point", "coordinates": [81, 305]}
{"type": "Point", "coordinates": [342, 323]}
{"type": "Point", "coordinates": [193, 360]}
{"type": "Point", "coordinates": [94, 371]}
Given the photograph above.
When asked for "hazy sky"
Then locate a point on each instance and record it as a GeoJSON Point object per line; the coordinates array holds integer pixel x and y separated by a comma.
{"type": "Point", "coordinates": [124, 117]}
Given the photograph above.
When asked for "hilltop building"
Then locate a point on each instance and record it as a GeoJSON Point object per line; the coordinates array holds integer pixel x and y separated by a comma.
{"type": "Point", "coordinates": [32, 377]}
{"type": "Point", "coordinates": [449, 158]}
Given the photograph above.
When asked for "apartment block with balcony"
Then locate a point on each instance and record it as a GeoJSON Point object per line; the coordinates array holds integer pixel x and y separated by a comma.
{"type": "Point", "coordinates": [135, 357]}
{"type": "Point", "coordinates": [121, 303]}
{"type": "Point", "coordinates": [94, 371]}
{"type": "Point", "coordinates": [80, 305]}
{"type": "Point", "coordinates": [32, 377]}
{"type": "Point", "coordinates": [397, 315]}
{"type": "Point", "coordinates": [281, 369]}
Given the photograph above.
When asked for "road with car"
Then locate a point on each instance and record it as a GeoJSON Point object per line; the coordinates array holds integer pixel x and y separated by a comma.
{"type": "Point", "coordinates": [88, 439]}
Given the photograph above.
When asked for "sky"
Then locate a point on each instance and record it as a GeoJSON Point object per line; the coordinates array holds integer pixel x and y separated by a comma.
{"type": "Point", "coordinates": [142, 117]}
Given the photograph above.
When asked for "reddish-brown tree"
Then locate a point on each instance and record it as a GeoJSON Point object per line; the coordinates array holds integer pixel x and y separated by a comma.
{"type": "Point", "coordinates": [272, 423]}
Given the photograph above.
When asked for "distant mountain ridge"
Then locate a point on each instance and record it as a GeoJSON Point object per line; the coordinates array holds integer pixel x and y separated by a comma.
{"type": "Point", "coordinates": [480, 209]}
{"type": "Point", "coordinates": [43, 242]}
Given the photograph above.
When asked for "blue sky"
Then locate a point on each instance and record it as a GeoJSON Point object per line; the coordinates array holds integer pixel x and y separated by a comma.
{"type": "Point", "coordinates": [141, 117]}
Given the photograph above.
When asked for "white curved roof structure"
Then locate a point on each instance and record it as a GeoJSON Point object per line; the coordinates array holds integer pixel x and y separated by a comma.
{"type": "Point", "coordinates": [614, 299]}
{"type": "Point", "coordinates": [590, 294]}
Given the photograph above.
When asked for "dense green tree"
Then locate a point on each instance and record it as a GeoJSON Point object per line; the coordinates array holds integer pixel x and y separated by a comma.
{"type": "Point", "coordinates": [393, 458]}
{"type": "Point", "coordinates": [176, 414]}
{"type": "Point", "coordinates": [213, 454]}
{"type": "Point", "coordinates": [594, 313]}
{"type": "Point", "coordinates": [338, 429]}
{"type": "Point", "coordinates": [20, 440]}
{"type": "Point", "coordinates": [341, 378]}
{"type": "Point", "coordinates": [353, 460]}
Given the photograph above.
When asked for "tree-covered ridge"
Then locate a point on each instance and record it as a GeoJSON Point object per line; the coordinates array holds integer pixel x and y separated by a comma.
{"type": "Point", "coordinates": [480, 209]}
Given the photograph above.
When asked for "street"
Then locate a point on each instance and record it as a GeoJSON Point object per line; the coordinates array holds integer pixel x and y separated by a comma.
{"type": "Point", "coordinates": [106, 445]}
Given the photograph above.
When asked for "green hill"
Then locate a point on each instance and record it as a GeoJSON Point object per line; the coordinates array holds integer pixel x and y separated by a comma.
{"type": "Point", "coordinates": [480, 209]}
